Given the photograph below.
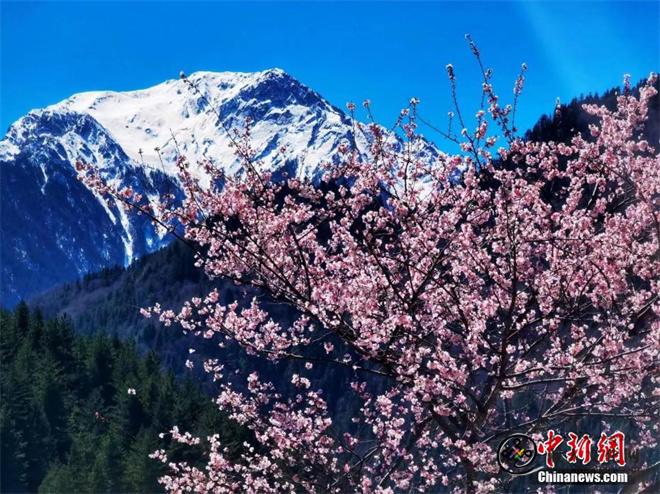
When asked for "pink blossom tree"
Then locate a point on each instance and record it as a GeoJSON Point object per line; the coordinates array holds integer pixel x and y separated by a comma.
{"type": "Point", "coordinates": [491, 291]}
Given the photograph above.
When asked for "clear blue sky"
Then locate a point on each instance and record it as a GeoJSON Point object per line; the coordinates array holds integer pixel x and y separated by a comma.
{"type": "Point", "coordinates": [386, 52]}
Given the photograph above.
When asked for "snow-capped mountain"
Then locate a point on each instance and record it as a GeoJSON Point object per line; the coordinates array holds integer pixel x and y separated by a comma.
{"type": "Point", "coordinates": [54, 229]}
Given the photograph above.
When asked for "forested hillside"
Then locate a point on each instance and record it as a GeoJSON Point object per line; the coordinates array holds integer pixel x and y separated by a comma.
{"type": "Point", "coordinates": [73, 423]}
{"type": "Point", "coordinates": [109, 301]}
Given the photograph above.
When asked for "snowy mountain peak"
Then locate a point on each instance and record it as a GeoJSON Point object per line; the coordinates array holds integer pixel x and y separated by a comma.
{"type": "Point", "coordinates": [149, 124]}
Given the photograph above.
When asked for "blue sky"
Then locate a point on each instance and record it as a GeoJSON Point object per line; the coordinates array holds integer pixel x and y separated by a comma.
{"type": "Point", "coordinates": [387, 52]}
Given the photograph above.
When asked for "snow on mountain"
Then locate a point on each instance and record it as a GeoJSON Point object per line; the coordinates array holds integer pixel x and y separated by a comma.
{"type": "Point", "coordinates": [284, 114]}
{"type": "Point", "coordinates": [54, 229]}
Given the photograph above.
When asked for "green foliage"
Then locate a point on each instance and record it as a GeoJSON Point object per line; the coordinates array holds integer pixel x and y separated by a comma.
{"type": "Point", "coordinates": [67, 421]}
